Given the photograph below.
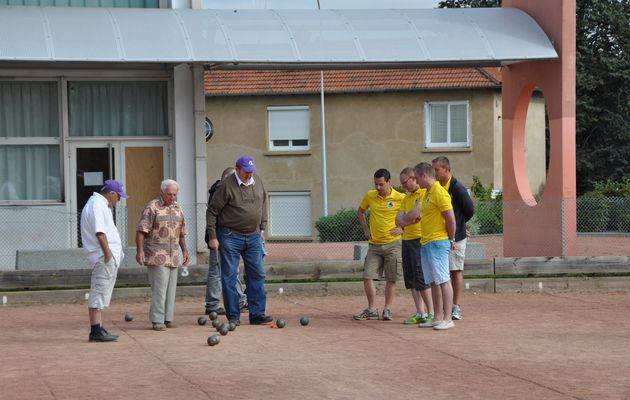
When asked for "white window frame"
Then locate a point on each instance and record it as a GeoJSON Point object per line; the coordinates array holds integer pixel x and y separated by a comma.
{"type": "Point", "coordinates": [40, 141]}
{"type": "Point", "coordinates": [275, 233]}
{"type": "Point", "coordinates": [291, 146]}
{"type": "Point", "coordinates": [427, 117]}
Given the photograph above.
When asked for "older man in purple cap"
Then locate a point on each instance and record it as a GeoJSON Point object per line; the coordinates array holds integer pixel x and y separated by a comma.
{"type": "Point", "coordinates": [236, 219]}
{"type": "Point", "coordinates": [103, 248]}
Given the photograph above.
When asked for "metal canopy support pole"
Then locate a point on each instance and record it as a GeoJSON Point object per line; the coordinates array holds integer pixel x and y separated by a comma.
{"type": "Point", "coordinates": [324, 176]}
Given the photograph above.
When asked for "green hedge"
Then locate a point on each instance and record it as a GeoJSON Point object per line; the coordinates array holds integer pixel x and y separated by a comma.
{"type": "Point", "coordinates": [618, 214]}
{"type": "Point", "coordinates": [618, 193]}
{"type": "Point", "coordinates": [340, 227]}
{"type": "Point", "coordinates": [592, 212]}
{"type": "Point", "coordinates": [488, 218]}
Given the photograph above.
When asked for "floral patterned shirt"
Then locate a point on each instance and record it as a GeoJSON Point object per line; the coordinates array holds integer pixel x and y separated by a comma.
{"type": "Point", "coordinates": [164, 226]}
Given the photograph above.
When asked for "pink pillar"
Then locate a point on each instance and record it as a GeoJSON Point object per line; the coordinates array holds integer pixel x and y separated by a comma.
{"type": "Point", "coordinates": [546, 228]}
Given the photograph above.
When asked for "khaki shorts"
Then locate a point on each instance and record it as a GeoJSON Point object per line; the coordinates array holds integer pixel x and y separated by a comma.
{"type": "Point", "coordinates": [102, 283]}
{"type": "Point", "coordinates": [383, 259]}
{"type": "Point", "coordinates": [457, 256]}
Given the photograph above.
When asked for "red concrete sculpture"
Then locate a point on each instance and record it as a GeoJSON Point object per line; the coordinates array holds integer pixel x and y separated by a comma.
{"type": "Point", "coordinates": [546, 228]}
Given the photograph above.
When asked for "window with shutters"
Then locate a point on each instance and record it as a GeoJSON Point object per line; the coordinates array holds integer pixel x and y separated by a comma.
{"type": "Point", "coordinates": [289, 128]}
{"type": "Point", "coordinates": [290, 214]}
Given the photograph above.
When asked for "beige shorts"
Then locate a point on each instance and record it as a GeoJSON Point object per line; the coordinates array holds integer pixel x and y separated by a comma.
{"type": "Point", "coordinates": [383, 259]}
{"type": "Point", "coordinates": [102, 283]}
{"type": "Point", "coordinates": [456, 257]}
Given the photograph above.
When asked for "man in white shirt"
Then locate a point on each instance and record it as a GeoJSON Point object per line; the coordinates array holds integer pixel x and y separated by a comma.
{"type": "Point", "coordinates": [103, 249]}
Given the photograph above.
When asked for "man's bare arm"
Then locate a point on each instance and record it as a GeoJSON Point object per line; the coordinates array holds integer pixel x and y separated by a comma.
{"type": "Point", "coordinates": [449, 218]}
{"type": "Point", "coordinates": [102, 241]}
{"type": "Point", "coordinates": [411, 217]}
{"type": "Point", "coordinates": [363, 222]}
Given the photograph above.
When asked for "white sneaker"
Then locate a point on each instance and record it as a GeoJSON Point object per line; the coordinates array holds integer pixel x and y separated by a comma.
{"type": "Point", "coordinates": [444, 325]}
{"type": "Point", "coordinates": [456, 312]}
{"type": "Point", "coordinates": [429, 324]}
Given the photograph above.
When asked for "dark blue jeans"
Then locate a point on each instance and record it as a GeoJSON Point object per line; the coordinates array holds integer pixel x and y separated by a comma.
{"type": "Point", "coordinates": [233, 246]}
{"type": "Point", "coordinates": [213, 284]}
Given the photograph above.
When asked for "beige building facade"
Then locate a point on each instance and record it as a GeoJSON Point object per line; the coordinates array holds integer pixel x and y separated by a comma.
{"type": "Point", "coordinates": [365, 131]}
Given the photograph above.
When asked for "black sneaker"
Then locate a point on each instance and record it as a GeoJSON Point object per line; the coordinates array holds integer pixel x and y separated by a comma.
{"type": "Point", "coordinates": [218, 310]}
{"type": "Point", "coordinates": [244, 308]}
{"type": "Point", "coordinates": [260, 319]}
{"type": "Point", "coordinates": [110, 334]}
{"type": "Point", "coordinates": [102, 336]}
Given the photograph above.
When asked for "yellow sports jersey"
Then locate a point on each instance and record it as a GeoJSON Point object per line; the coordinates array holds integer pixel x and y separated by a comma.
{"type": "Point", "coordinates": [413, 231]}
{"type": "Point", "coordinates": [383, 213]}
{"type": "Point", "coordinates": [435, 201]}
{"type": "Point", "coordinates": [448, 183]}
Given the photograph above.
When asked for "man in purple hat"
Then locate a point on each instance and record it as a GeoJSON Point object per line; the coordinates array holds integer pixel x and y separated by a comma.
{"type": "Point", "coordinates": [236, 219]}
{"type": "Point", "coordinates": [103, 249]}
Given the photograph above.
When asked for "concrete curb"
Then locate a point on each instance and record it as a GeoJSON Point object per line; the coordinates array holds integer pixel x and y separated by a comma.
{"type": "Point", "coordinates": [485, 285]}
{"type": "Point", "coordinates": [141, 294]}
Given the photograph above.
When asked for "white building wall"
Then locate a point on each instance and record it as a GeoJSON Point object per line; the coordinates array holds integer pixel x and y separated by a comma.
{"type": "Point", "coordinates": [52, 227]}
{"type": "Point", "coordinates": [189, 158]}
{"type": "Point", "coordinates": [33, 228]}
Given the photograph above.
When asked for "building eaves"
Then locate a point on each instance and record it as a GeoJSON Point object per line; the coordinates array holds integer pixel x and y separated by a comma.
{"type": "Point", "coordinates": [295, 82]}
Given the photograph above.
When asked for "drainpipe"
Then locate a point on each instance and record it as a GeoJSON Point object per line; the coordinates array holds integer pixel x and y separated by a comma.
{"type": "Point", "coordinates": [324, 179]}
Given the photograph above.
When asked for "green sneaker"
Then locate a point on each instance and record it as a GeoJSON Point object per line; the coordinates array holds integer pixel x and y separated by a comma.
{"type": "Point", "coordinates": [413, 320]}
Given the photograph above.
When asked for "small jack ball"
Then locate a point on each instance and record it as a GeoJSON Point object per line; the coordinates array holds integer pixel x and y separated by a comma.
{"type": "Point", "coordinates": [213, 340]}
{"type": "Point", "coordinates": [128, 317]}
{"type": "Point", "coordinates": [280, 323]}
{"type": "Point", "coordinates": [304, 321]}
{"type": "Point", "coordinates": [213, 315]}
{"type": "Point", "coordinates": [202, 320]}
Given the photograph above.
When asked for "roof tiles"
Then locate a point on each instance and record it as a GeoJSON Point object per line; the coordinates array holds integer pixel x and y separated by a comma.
{"type": "Point", "coordinates": [285, 82]}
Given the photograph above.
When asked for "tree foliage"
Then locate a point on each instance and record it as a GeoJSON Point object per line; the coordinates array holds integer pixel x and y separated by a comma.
{"type": "Point", "coordinates": [603, 91]}
{"type": "Point", "coordinates": [602, 85]}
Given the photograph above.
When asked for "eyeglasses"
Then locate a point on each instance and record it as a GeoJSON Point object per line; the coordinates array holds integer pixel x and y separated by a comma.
{"type": "Point", "coordinates": [407, 180]}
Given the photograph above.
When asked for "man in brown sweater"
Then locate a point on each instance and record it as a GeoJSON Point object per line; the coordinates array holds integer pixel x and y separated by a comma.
{"type": "Point", "coordinates": [236, 219]}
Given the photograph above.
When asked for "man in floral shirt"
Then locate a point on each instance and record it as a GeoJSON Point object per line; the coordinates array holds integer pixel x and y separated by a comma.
{"type": "Point", "coordinates": [160, 233]}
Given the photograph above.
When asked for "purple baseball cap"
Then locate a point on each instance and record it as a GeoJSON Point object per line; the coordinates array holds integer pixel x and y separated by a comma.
{"type": "Point", "coordinates": [114, 186]}
{"type": "Point", "coordinates": [246, 163]}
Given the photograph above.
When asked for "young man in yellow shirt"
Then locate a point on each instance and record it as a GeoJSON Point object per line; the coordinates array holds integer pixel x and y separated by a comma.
{"type": "Point", "coordinates": [383, 257]}
{"type": "Point", "coordinates": [438, 239]}
{"type": "Point", "coordinates": [412, 267]}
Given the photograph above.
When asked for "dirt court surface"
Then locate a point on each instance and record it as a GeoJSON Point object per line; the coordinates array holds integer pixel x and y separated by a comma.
{"type": "Point", "coordinates": [508, 346]}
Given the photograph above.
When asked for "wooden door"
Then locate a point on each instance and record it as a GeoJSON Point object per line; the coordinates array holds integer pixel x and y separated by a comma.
{"type": "Point", "coordinates": [144, 171]}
